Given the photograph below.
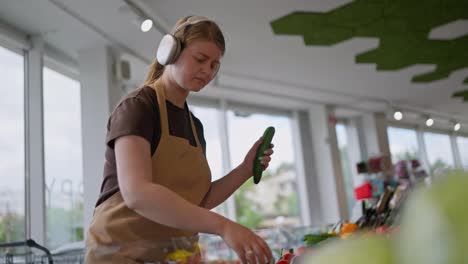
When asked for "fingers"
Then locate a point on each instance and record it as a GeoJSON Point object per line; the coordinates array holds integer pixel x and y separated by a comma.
{"type": "Point", "coordinates": [251, 256]}
{"type": "Point", "coordinates": [265, 160]}
{"type": "Point", "coordinates": [268, 152]}
{"type": "Point", "coordinates": [258, 252]}
{"type": "Point", "coordinates": [243, 258]}
{"type": "Point", "coordinates": [266, 250]}
{"type": "Point", "coordinates": [257, 256]}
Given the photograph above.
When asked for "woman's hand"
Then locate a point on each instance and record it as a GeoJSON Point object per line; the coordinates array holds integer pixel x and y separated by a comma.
{"type": "Point", "coordinates": [249, 247]}
{"type": "Point", "coordinates": [247, 164]}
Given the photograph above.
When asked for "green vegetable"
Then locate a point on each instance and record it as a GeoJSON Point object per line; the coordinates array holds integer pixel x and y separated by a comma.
{"type": "Point", "coordinates": [257, 167]}
{"type": "Point", "coordinates": [313, 239]}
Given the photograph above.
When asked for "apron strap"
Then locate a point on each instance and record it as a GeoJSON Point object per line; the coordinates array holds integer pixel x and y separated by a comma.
{"type": "Point", "coordinates": [163, 113]}
{"type": "Point", "coordinates": [194, 130]}
{"type": "Point", "coordinates": [162, 108]}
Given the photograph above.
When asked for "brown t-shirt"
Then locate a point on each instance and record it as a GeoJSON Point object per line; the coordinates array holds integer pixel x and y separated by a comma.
{"type": "Point", "coordinates": [138, 114]}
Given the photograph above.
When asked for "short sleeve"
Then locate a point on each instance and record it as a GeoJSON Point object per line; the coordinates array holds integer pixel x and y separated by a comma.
{"type": "Point", "coordinates": [131, 117]}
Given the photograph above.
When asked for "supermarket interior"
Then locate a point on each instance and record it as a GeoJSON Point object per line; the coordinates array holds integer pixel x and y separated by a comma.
{"type": "Point", "coordinates": [216, 131]}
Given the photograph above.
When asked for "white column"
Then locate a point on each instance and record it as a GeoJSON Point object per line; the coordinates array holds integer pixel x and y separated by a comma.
{"type": "Point", "coordinates": [227, 166]}
{"type": "Point", "coordinates": [336, 163]}
{"type": "Point", "coordinates": [422, 153]}
{"type": "Point", "coordinates": [34, 143]}
{"type": "Point", "coordinates": [302, 184]}
{"type": "Point", "coordinates": [355, 147]}
{"type": "Point", "coordinates": [327, 165]}
{"type": "Point", "coordinates": [99, 95]}
{"type": "Point", "coordinates": [308, 185]}
{"type": "Point", "coordinates": [374, 128]}
{"type": "Point", "coordinates": [456, 153]}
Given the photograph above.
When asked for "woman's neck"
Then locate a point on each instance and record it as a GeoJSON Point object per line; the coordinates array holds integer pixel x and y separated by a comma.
{"type": "Point", "coordinates": [174, 93]}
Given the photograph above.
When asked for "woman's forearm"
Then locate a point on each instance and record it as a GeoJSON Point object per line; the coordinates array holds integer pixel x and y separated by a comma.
{"type": "Point", "coordinates": [223, 188]}
{"type": "Point", "coordinates": [164, 206]}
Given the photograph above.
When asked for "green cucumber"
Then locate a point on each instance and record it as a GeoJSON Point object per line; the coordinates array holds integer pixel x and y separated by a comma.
{"type": "Point", "coordinates": [257, 166]}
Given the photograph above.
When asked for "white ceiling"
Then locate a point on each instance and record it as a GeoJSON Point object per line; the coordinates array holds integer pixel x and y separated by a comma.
{"type": "Point", "coordinates": [256, 59]}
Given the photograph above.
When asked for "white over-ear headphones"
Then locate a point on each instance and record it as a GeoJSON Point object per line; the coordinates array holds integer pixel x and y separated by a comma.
{"type": "Point", "coordinates": [170, 46]}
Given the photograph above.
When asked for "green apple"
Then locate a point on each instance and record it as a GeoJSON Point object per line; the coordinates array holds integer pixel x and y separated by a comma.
{"type": "Point", "coordinates": [355, 250]}
{"type": "Point", "coordinates": [434, 227]}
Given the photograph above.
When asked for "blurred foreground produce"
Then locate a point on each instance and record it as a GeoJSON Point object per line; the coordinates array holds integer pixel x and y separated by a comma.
{"type": "Point", "coordinates": [433, 230]}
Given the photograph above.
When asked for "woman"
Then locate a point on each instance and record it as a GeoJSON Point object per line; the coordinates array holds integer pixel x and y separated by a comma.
{"type": "Point", "coordinates": [157, 182]}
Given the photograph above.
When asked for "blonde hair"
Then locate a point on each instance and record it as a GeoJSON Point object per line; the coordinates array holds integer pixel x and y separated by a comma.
{"type": "Point", "coordinates": [207, 30]}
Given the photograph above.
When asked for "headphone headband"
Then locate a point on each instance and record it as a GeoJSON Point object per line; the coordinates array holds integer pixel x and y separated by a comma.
{"type": "Point", "coordinates": [190, 21]}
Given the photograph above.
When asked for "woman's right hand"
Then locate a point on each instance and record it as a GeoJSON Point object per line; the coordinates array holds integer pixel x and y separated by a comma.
{"type": "Point", "coordinates": [248, 246]}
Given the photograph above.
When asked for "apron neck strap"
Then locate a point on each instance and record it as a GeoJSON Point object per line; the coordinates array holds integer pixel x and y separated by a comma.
{"type": "Point", "coordinates": [194, 129]}
{"type": "Point", "coordinates": [161, 95]}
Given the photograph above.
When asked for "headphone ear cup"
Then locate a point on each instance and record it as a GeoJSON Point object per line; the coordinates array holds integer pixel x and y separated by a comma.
{"type": "Point", "coordinates": [178, 50]}
{"type": "Point", "coordinates": [168, 49]}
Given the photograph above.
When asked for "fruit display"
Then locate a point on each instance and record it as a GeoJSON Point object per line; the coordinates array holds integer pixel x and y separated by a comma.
{"type": "Point", "coordinates": [377, 218]}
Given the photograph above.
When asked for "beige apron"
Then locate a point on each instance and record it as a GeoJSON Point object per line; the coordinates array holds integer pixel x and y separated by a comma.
{"type": "Point", "coordinates": [118, 234]}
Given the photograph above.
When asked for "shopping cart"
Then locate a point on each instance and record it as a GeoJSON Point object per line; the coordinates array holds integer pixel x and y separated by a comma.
{"type": "Point", "coordinates": [22, 252]}
{"type": "Point", "coordinates": [28, 256]}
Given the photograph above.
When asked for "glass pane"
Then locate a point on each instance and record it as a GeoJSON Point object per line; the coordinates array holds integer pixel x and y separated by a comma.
{"type": "Point", "coordinates": [345, 164]}
{"type": "Point", "coordinates": [12, 195]}
{"type": "Point", "coordinates": [439, 151]}
{"type": "Point", "coordinates": [63, 159]}
{"type": "Point", "coordinates": [403, 143]}
{"type": "Point", "coordinates": [210, 121]}
{"type": "Point", "coordinates": [463, 148]}
{"type": "Point", "coordinates": [274, 201]}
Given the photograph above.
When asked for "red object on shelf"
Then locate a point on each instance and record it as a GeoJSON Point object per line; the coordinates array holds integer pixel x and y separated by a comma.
{"type": "Point", "coordinates": [288, 256]}
{"type": "Point", "coordinates": [373, 164]}
{"type": "Point", "coordinates": [363, 192]}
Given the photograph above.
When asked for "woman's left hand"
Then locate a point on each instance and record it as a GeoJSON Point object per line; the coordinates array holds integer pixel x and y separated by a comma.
{"type": "Point", "coordinates": [247, 164]}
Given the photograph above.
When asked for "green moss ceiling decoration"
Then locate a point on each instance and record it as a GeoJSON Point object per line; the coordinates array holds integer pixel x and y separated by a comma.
{"type": "Point", "coordinates": [402, 26]}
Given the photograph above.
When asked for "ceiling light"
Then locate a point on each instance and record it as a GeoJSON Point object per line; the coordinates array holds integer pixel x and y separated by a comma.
{"type": "Point", "coordinates": [429, 122]}
{"type": "Point", "coordinates": [146, 25]}
{"type": "Point", "coordinates": [398, 115]}
{"type": "Point", "coordinates": [456, 126]}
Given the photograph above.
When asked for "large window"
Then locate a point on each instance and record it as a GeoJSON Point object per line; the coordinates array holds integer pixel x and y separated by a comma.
{"type": "Point", "coordinates": [345, 164]}
{"type": "Point", "coordinates": [63, 159]}
{"type": "Point", "coordinates": [439, 152]}
{"type": "Point", "coordinates": [463, 149]}
{"type": "Point", "coordinates": [274, 201]}
{"type": "Point", "coordinates": [403, 143]}
{"type": "Point", "coordinates": [209, 118]}
{"type": "Point", "coordinates": [12, 163]}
